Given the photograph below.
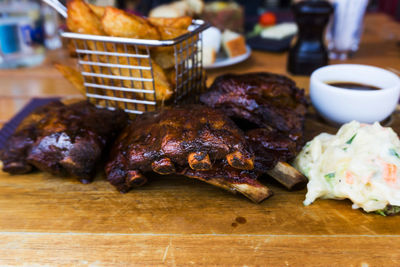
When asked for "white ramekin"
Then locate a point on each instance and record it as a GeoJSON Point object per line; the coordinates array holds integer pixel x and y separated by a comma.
{"type": "Point", "coordinates": [339, 105]}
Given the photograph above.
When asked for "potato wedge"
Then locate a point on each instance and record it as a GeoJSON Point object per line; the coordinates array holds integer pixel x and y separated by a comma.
{"type": "Point", "coordinates": [165, 58]}
{"type": "Point", "coordinates": [73, 76]}
{"type": "Point", "coordinates": [70, 47]}
{"type": "Point", "coordinates": [164, 90]}
{"type": "Point", "coordinates": [90, 19]}
{"type": "Point", "coordinates": [98, 10]}
{"type": "Point", "coordinates": [171, 74]}
{"type": "Point", "coordinates": [96, 69]}
{"type": "Point", "coordinates": [168, 33]}
{"type": "Point", "coordinates": [179, 23]}
{"type": "Point", "coordinates": [103, 81]}
{"type": "Point", "coordinates": [122, 24]}
{"type": "Point", "coordinates": [81, 19]}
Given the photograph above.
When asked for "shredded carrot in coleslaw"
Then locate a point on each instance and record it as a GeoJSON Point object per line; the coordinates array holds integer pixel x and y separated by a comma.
{"type": "Point", "coordinates": [389, 173]}
{"type": "Point", "coordinates": [349, 177]}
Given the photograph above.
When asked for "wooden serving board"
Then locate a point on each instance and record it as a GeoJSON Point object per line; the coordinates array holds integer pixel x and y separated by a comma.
{"type": "Point", "coordinates": [49, 220]}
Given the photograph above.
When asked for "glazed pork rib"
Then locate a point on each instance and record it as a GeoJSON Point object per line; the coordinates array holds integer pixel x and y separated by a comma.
{"type": "Point", "coordinates": [62, 139]}
{"type": "Point", "coordinates": [18, 146]}
{"type": "Point", "coordinates": [264, 99]}
{"type": "Point", "coordinates": [272, 149]}
{"type": "Point", "coordinates": [275, 110]}
{"type": "Point", "coordinates": [189, 140]}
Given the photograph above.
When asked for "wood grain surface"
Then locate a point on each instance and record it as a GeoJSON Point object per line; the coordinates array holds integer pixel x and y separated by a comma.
{"type": "Point", "coordinates": [54, 221]}
{"type": "Point", "coordinates": [197, 250]}
{"type": "Point", "coordinates": [173, 220]}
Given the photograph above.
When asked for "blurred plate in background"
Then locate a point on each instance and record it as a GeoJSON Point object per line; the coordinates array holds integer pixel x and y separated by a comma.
{"type": "Point", "coordinates": [271, 45]}
{"type": "Point", "coordinates": [223, 61]}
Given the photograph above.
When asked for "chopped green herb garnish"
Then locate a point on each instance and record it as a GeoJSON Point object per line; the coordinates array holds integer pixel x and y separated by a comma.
{"type": "Point", "coordinates": [389, 210]}
{"type": "Point", "coordinates": [330, 175]}
{"type": "Point", "coordinates": [394, 153]}
{"type": "Point", "coordinates": [380, 212]}
{"type": "Point", "coordinates": [345, 148]}
{"type": "Point", "coordinates": [351, 139]}
{"type": "Point", "coordinates": [256, 31]}
{"type": "Point", "coordinates": [306, 172]}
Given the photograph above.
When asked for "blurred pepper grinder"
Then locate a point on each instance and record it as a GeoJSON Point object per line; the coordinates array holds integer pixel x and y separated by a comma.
{"type": "Point", "coordinates": [309, 52]}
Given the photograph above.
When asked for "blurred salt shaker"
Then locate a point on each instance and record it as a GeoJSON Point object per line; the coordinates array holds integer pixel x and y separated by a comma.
{"type": "Point", "coordinates": [345, 29]}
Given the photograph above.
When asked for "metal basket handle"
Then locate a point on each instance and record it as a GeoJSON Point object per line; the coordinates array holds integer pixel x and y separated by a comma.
{"type": "Point", "coordinates": [60, 8]}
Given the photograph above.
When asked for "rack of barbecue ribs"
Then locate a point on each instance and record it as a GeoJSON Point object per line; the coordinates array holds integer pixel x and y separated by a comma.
{"type": "Point", "coordinates": [271, 110]}
{"type": "Point", "coordinates": [62, 140]}
{"type": "Point", "coordinates": [250, 125]}
{"type": "Point", "coordinates": [195, 141]}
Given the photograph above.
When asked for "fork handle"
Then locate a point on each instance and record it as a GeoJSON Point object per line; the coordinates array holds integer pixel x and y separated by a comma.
{"type": "Point", "coordinates": [60, 8]}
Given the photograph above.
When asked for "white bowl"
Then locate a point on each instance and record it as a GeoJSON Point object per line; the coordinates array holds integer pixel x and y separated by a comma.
{"type": "Point", "coordinates": [339, 105]}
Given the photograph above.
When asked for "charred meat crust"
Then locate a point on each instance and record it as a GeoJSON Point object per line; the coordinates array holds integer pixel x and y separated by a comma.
{"type": "Point", "coordinates": [271, 110]}
{"type": "Point", "coordinates": [62, 139]}
{"type": "Point", "coordinates": [265, 99]}
{"type": "Point", "coordinates": [195, 141]}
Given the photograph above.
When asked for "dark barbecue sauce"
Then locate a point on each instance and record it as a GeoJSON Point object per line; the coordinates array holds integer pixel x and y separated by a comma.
{"type": "Point", "coordinates": [354, 86]}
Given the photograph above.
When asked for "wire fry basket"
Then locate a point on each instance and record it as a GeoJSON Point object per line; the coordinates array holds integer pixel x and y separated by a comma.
{"type": "Point", "coordinates": [121, 72]}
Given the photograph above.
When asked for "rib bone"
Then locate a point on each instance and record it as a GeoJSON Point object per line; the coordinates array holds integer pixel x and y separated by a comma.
{"type": "Point", "coordinates": [233, 180]}
{"type": "Point", "coordinates": [238, 160]}
{"type": "Point", "coordinates": [199, 161]}
{"type": "Point", "coordinates": [163, 166]}
{"type": "Point", "coordinates": [287, 176]}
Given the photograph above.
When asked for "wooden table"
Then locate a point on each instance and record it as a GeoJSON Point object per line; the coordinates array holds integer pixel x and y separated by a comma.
{"type": "Point", "coordinates": [47, 220]}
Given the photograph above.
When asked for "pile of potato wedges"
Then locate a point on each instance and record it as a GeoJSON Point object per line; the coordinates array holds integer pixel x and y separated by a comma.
{"type": "Point", "coordinates": [86, 18]}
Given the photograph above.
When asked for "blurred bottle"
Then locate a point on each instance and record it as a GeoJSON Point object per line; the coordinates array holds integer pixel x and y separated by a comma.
{"type": "Point", "coordinates": [21, 34]}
